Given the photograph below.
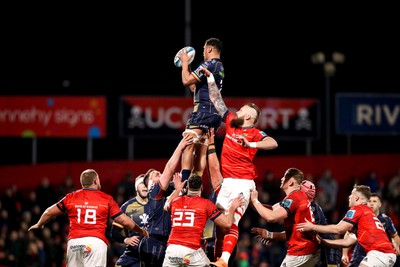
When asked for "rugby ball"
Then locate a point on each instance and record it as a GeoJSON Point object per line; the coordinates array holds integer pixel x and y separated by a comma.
{"type": "Point", "coordinates": [191, 53]}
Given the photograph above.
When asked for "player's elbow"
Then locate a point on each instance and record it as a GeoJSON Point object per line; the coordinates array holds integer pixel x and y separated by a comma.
{"type": "Point", "coordinates": [189, 83]}
{"type": "Point", "coordinates": [272, 143]}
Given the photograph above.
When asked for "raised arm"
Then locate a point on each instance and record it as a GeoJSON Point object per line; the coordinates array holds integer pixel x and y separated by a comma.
{"type": "Point", "coordinates": [178, 185]}
{"type": "Point", "coordinates": [270, 215]}
{"type": "Point", "coordinates": [187, 78]}
{"type": "Point", "coordinates": [213, 91]}
{"type": "Point", "coordinates": [173, 162]}
{"type": "Point", "coordinates": [47, 215]}
{"type": "Point", "coordinates": [213, 162]}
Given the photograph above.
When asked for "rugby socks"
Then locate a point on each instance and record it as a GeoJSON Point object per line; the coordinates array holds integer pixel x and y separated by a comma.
{"type": "Point", "coordinates": [230, 242]}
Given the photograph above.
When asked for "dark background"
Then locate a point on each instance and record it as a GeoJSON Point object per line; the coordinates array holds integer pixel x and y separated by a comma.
{"type": "Point", "coordinates": [115, 50]}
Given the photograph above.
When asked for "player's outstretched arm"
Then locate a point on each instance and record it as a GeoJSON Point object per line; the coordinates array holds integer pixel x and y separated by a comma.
{"type": "Point", "coordinates": [214, 93]}
{"type": "Point", "coordinates": [265, 234]}
{"type": "Point", "coordinates": [47, 215]}
{"type": "Point", "coordinates": [338, 229]}
{"type": "Point", "coordinates": [178, 185]}
{"type": "Point", "coordinates": [129, 224]}
{"type": "Point", "coordinates": [337, 243]}
{"type": "Point", "coordinates": [172, 163]}
{"type": "Point", "coordinates": [213, 162]}
{"type": "Point", "coordinates": [270, 215]}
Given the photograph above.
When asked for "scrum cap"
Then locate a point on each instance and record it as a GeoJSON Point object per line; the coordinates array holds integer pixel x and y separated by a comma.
{"type": "Point", "coordinates": [309, 188]}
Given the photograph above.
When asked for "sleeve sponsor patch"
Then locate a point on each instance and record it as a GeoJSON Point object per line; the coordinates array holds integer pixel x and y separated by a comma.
{"type": "Point", "coordinates": [263, 134]}
{"type": "Point", "coordinates": [350, 214]}
{"type": "Point", "coordinates": [287, 203]}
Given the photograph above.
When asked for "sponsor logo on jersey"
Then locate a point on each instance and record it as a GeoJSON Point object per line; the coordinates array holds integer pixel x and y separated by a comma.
{"type": "Point", "coordinates": [350, 214]}
{"type": "Point", "coordinates": [287, 202]}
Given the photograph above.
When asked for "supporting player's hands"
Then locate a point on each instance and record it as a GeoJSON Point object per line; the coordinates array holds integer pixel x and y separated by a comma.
{"type": "Point", "coordinates": [177, 179]}
{"type": "Point", "coordinates": [238, 201]}
{"type": "Point", "coordinates": [254, 196]}
{"type": "Point", "coordinates": [261, 232]}
{"type": "Point", "coordinates": [132, 241]}
{"type": "Point", "coordinates": [186, 141]}
{"type": "Point", "coordinates": [345, 259]}
{"type": "Point", "coordinates": [306, 226]}
{"type": "Point", "coordinates": [263, 235]}
{"type": "Point", "coordinates": [210, 136]}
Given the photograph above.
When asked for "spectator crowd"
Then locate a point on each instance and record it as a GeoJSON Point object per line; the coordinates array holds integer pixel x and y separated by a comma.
{"type": "Point", "coordinates": [18, 210]}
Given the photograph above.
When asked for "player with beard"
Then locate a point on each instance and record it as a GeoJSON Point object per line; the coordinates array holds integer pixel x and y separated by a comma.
{"type": "Point", "coordinates": [135, 209]}
{"type": "Point", "coordinates": [241, 143]}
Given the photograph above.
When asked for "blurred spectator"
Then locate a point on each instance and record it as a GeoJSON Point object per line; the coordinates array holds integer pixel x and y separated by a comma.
{"type": "Point", "coordinates": [126, 187]}
{"type": "Point", "coordinates": [35, 255]}
{"type": "Point", "coordinates": [327, 187]}
{"type": "Point", "coordinates": [67, 186]}
{"type": "Point", "coordinates": [45, 194]}
{"type": "Point", "coordinates": [4, 224]}
{"type": "Point", "coordinates": [16, 248]}
{"type": "Point", "coordinates": [271, 185]}
{"type": "Point", "coordinates": [394, 187]}
{"type": "Point", "coordinates": [373, 182]}
{"type": "Point", "coordinates": [390, 211]}
{"type": "Point", "coordinates": [12, 203]}
{"type": "Point", "coordinates": [243, 250]}
{"type": "Point", "coordinates": [29, 202]}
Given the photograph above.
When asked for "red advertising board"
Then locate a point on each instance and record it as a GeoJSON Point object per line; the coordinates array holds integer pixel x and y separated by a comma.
{"type": "Point", "coordinates": [50, 116]}
{"type": "Point", "coordinates": [294, 118]}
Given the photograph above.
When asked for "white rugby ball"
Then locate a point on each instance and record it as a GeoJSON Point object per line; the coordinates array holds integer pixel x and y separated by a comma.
{"type": "Point", "coordinates": [191, 53]}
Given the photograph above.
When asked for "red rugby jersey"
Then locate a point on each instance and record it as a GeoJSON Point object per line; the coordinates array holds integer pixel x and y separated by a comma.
{"type": "Point", "coordinates": [299, 208]}
{"type": "Point", "coordinates": [236, 160]}
{"type": "Point", "coordinates": [370, 232]}
{"type": "Point", "coordinates": [189, 215]}
{"type": "Point", "coordinates": [88, 212]}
